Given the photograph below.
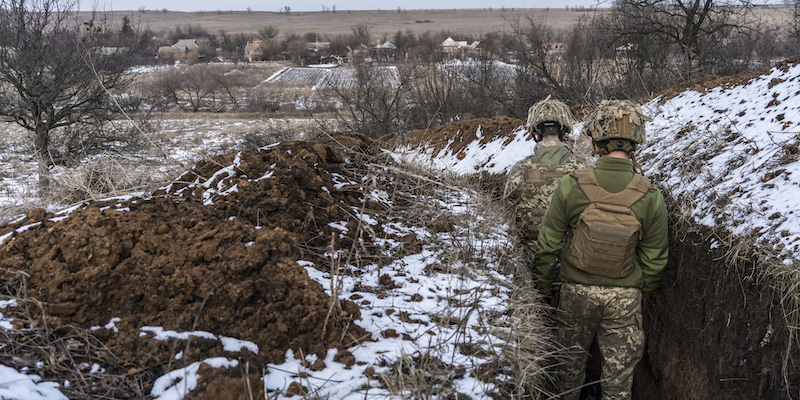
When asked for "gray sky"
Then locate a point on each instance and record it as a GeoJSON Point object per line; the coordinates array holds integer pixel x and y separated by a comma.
{"type": "Point", "coordinates": [316, 5]}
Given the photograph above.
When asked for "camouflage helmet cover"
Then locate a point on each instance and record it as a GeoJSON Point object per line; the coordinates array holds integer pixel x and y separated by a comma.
{"type": "Point", "coordinates": [549, 110]}
{"type": "Point", "coordinates": [617, 119]}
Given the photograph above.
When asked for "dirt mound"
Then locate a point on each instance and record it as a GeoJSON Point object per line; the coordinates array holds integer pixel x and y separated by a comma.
{"type": "Point", "coordinates": [458, 135]}
{"type": "Point", "coordinates": [299, 186]}
{"type": "Point", "coordinates": [217, 255]}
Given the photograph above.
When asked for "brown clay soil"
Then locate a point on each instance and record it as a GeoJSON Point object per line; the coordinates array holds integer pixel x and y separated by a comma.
{"type": "Point", "coordinates": [457, 135]}
{"type": "Point", "coordinates": [715, 328]}
{"type": "Point", "coordinates": [228, 268]}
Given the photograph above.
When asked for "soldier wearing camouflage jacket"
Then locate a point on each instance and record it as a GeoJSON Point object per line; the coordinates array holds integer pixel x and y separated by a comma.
{"type": "Point", "coordinates": [531, 182]}
{"type": "Point", "coordinates": [593, 305]}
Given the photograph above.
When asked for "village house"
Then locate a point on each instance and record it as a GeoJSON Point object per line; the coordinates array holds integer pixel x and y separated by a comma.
{"type": "Point", "coordinates": [253, 51]}
{"type": "Point", "coordinates": [379, 53]}
{"type": "Point", "coordinates": [184, 50]}
{"type": "Point", "coordinates": [460, 49]}
{"type": "Point", "coordinates": [384, 52]}
{"type": "Point", "coordinates": [319, 52]}
{"type": "Point", "coordinates": [555, 47]}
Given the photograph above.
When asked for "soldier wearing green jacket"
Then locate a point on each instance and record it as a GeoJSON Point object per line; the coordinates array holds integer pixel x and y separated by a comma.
{"type": "Point", "coordinates": [531, 181]}
{"type": "Point", "coordinates": [605, 231]}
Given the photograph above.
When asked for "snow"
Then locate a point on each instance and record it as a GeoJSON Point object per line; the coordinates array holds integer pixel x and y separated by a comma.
{"type": "Point", "coordinates": [731, 154]}
{"type": "Point", "coordinates": [320, 78]}
{"type": "Point", "coordinates": [18, 386]}
{"type": "Point", "coordinates": [496, 156]}
{"type": "Point", "coordinates": [178, 383]}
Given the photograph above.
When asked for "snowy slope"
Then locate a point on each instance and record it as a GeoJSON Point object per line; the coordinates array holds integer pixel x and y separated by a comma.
{"type": "Point", "coordinates": [495, 155]}
{"type": "Point", "coordinates": [729, 155]}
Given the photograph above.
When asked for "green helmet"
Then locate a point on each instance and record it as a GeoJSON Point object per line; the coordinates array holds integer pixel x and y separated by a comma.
{"type": "Point", "coordinates": [549, 111]}
{"type": "Point", "coordinates": [617, 119]}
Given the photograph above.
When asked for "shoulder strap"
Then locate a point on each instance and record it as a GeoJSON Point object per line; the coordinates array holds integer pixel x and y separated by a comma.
{"type": "Point", "coordinates": [635, 190]}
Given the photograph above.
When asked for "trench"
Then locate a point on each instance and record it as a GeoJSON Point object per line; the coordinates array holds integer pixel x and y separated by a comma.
{"type": "Point", "coordinates": [715, 329]}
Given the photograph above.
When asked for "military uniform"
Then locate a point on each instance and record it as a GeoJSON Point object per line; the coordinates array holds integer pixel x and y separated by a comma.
{"type": "Point", "coordinates": [531, 182]}
{"type": "Point", "coordinates": [596, 305]}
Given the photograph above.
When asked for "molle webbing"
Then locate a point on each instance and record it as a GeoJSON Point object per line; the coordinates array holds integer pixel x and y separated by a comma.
{"type": "Point", "coordinates": [605, 238]}
{"type": "Point", "coordinates": [538, 174]}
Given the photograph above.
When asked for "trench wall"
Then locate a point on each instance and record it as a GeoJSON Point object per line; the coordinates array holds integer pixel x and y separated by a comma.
{"type": "Point", "coordinates": [715, 329]}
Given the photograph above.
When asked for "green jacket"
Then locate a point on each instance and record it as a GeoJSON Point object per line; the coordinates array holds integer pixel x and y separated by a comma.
{"type": "Point", "coordinates": [568, 202]}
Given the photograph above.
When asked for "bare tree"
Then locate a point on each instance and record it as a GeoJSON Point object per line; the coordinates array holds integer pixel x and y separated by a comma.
{"type": "Point", "coordinates": [532, 41]}
{"type": "Point", "coordinates": [373, 100]}
{"type": "Point", "coordinates": [691, 28]}
{"type": "Point", "coordinates": [268, 32]}
{"type": "Point", "coordinates": [52, 75]}
{"type": "Point", "coordinates": [361, 33]}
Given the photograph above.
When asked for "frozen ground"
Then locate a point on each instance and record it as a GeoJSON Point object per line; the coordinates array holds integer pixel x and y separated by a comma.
{"type": "Point", "coordinates": [729, 154]}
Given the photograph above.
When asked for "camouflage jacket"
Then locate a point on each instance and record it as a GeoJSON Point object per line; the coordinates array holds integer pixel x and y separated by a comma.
{"type": "Point", "coordinates": [562, 217]}
{"type": "Point", "coordinates": [531, 182]}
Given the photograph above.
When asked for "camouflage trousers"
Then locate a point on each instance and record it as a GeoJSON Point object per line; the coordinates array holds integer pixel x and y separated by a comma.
{"type": "Point", "coordinates": [614, 314]}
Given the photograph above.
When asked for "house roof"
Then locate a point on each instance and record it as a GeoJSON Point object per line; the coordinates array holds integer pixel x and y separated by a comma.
{"type": "Point", "coordinates": [387, 45]}
{"type": "Point", "coordinates": [449, 42]}
{"type": "Point", "coordinates": [318, 45]}
{"type": "Point", "coordinates": [252, 46]}
{"type": "Point", "coordinates": [186, 44]}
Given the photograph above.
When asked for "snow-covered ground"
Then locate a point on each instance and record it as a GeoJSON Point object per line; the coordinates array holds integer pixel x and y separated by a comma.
{"type": "Point", "coordinates": [495, 156]}
{"type": "Point", "coordinates": [730, 152]}
{"type": "Point", "coordinates": [323, 78]}
{"type": "Point", "coordinates": [171, 147]}
{"type": "Point", "coordinates": [730, 156]}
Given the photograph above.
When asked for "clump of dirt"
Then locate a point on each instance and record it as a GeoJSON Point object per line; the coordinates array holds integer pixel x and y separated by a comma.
{"type": "Point", "coordinates": [457, 135]}
{"type": "Point", "coordinates": [218, 254]}
{"type": "Point", "coordinates": [299, 186]}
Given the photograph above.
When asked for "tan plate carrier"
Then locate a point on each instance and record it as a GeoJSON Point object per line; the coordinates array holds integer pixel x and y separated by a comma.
{"type": "Point", "coordinates": [605, 238]}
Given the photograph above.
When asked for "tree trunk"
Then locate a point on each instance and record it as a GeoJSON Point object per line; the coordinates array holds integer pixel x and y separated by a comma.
{"type": "Point", "coordinates": [41, 151]}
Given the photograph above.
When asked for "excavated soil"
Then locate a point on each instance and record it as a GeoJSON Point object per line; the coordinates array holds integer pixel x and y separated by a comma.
{"type": "Point", "coordinates": [193, 259]}
{"type": "Point", "coordinates": [458, 135]}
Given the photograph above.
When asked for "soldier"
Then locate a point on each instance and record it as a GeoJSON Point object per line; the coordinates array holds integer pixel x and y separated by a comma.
{"type": "Point", "coordinates": [531, 182]}
{"type": "Point", "coordinates": [617, 225]}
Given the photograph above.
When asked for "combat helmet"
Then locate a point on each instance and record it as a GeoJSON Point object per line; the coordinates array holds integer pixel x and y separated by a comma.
{"type": "Point", "coordinates": [616, 125]}
{"type": "Point", "coordinates": [549, 113]}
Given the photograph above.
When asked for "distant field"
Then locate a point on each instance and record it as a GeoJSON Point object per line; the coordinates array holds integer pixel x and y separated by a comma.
{"type": "Point", "coordinates": [472, 22]}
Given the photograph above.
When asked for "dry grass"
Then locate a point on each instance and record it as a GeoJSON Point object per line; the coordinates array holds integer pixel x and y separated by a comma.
{"type": "Point", "coordinates": [466, 22]}
{"type": "Point", "coordinates": [382, 22]}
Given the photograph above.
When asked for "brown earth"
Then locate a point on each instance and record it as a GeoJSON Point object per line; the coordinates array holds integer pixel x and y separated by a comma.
{"type": "Point", "coordinates": [457, 135]}
{"type": "Point", "coordinates": [228, 268]}
{"type": "Point", "coordinates": [715, 328]}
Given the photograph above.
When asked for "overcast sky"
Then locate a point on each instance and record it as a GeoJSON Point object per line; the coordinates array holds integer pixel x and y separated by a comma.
{"type": "Point", "coordinates": [316, 5]}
